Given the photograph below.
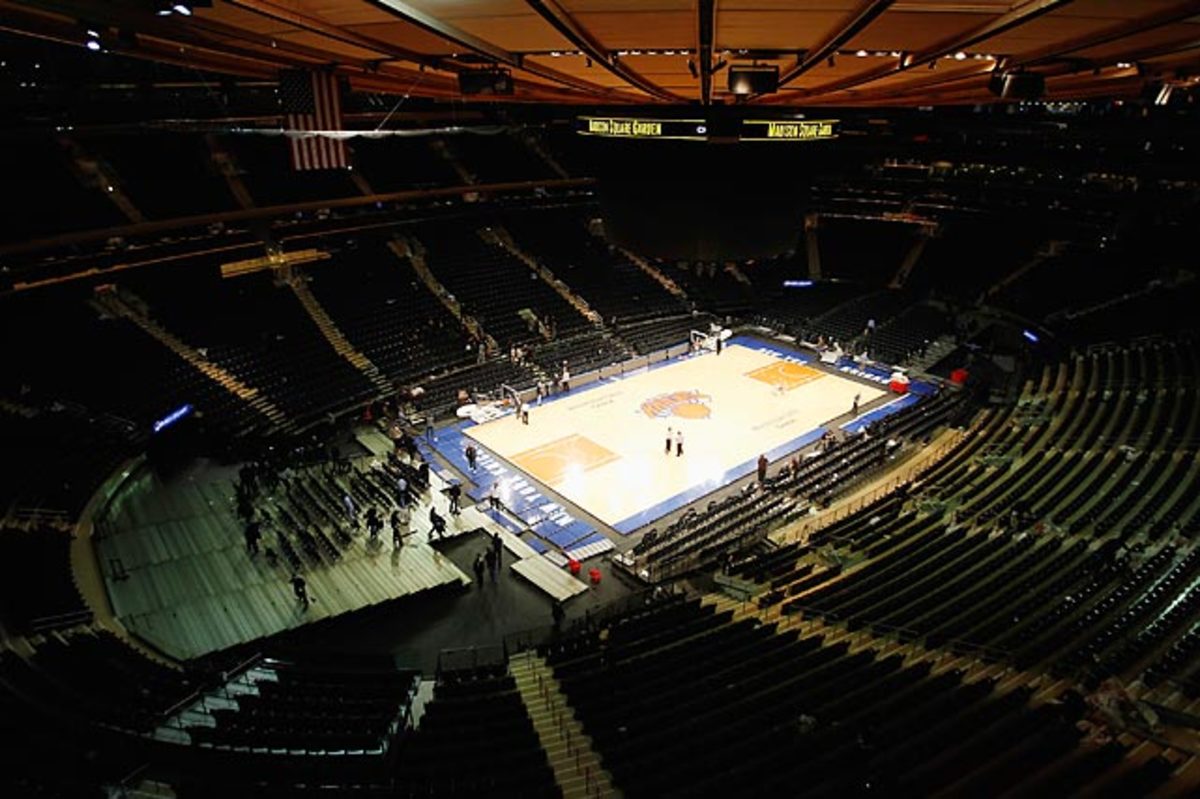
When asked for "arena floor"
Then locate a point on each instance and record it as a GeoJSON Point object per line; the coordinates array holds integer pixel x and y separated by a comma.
{"type": "Point", "coordinates": [603, 447]}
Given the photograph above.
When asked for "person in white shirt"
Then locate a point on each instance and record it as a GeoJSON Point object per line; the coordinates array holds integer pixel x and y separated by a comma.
{"type": "Point", "coordinates": [678, 443]}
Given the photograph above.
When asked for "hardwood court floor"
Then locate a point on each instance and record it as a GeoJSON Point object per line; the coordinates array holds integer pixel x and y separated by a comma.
{"type": "Point", "coordinates": [603, 448]}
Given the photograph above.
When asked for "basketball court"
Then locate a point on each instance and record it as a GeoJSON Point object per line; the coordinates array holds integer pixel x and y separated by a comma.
{"type": "Point", "coordinates": [603, 447]}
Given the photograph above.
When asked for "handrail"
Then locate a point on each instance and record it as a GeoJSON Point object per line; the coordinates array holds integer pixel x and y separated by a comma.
{"type": "Point", "coordinates": [288, 209]}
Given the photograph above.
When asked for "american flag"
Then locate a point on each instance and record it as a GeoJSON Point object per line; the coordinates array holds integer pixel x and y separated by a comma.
{"type": "Point", "coordinates": [311, 102]}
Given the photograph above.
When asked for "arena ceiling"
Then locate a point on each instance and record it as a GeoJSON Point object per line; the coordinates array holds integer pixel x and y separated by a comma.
{"type": "Point", "coordinates": [829, 52]}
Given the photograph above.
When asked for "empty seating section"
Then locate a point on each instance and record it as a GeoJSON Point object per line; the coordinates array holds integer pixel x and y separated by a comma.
{"type": "Point", "coordinates": [494, 286]}
{"type": "Point", "coordinates": [794, 310]}
{"type": "Point", "coordinates": [849, 321]}
{"type": "Point", "coordinates": [72, 359]}
{"type": "Point", "coordinates": [908, 335]}
{"type": "Point", "coordinates": [164, 175]}
{"type": "Point", "coordinates": [1051, 536]}
{"type": "Point", "coordinates": [57, 455]}
{"type": "Point", "coordinates": [264, 166]}
{"type": "Point", "coordinates": [399, 163]}
{"type": "Point", "coordinates": [441, 392]}
{"type": "Point", "coordinates": [387, 313]}
{"type": "Point", "coordinates": [54, 197]}
{"type": "Point", "coordinates": [714, 286]}
{"type": "Point", "coordinates": [863, 250]}
{"type": "Point", "coordinates": [1089, 273]}
{"type": "Point", "coordinates": [648, 337]}
{"type": "Point", "coordinates": [613, 286]}
{"type": "Point", "coordinates": [734, 524]}
{"type": "Point", "coordinates": [95, 676]}
{"type": "Point", "coordinates": [957, 261]}
{"type": "Point", "coordinates": [475, 739]}
{"type": "Point", "coordinates": [304, 709]}
{"type": "Point", "coordinates": [681, 700]}
{"type": "Point", "coordinates": [498, 158]}
{"type": "Point", "coordinates": [40, 594]}
{"type": "Point", "coordinates": [583, 353]}
{"type": "Point", "coordinates": [259, 332]}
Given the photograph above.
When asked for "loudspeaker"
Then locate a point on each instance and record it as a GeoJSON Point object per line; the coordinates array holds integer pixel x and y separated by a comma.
{"type": "Point", "coordinates": [485, 81]}
{"type": "Point", "coordinates": [753, 79]}
{"type": "Point", "coordinates": [1018, 85]}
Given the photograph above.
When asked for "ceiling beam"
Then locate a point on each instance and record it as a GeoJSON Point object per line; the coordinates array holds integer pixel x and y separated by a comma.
{"type": "Point", "coordinates": [1111, 34]}
{"type": "Point", "coordinates": [867, 13]}
{"type": "Point", "coordinates": [706, 23]}
{"type": "Point", "coordinates": [575, 33]}
{"type": "Point", "coordinates": [271, 10]}
{"type": "Point", "coordinates": [415, 16]}
{"type": "Point", "coordinates": [1001, 24]}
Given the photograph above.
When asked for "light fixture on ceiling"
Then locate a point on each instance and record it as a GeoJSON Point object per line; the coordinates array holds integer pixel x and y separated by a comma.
{"type": "Point", "coordinates": [91, 36]}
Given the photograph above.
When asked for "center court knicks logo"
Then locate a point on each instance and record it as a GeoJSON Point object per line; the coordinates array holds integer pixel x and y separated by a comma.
{"type": "Point", "coordinates": [684, 404]}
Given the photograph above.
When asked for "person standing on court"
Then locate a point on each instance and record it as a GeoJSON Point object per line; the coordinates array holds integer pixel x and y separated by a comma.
{"type": "Point", "coordinates": [854, 406]}
{"type": "Point", "coordinates": [670, 436]}
{"type": "Point", "coordinates": [762, 469]}
{"type": "Point", "coordinates": [455, 494]}
{"type": "Point", "coordinates": [524, 413]}
{"type": "Point", "coordinates": [679, 443]}
{"type": "Point", "coordinates": [566, 378]}
{"type": "Point", "coordinates": [471, 456]}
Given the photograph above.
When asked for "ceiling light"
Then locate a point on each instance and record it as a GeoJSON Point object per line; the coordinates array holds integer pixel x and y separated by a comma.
{"type": "Point", "coordinates": [861, 54]}
{"type": "Point", "coordinates": [1123, 65]}
{"type": "Point", "coordinates": [960, 55]}
{"type": "Point", "coordinates": [93, 45]}
{"type": "Point", "coordinates": [182, 8]}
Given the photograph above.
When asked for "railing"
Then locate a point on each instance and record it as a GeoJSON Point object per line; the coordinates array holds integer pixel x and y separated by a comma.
{"type": "Point", "coordinates": [60, 621]}
{"type": "Point", "coordinates": [470, 658]}
{"type": "Point", "coordinates": [559, 712]}
{"type": "Point", "coordinates": [534, 637]}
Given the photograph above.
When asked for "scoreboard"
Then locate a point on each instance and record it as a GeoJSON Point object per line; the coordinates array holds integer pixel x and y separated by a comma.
{"type": "Point", "coordinates": [787, 130]}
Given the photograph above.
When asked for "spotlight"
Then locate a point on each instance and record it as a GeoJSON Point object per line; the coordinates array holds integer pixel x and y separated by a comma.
{"type": "Point", "coordinates": [182, 8]}
{"type": "Point", "coordinates": [93, 45]}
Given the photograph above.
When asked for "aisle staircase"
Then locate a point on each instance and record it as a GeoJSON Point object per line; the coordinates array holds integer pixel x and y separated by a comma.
{"type": "Point", "coordinates": [334, 335]}
{"type": "Point", "coordinates": [95, 173]}
{"type": "Point", "coordinates": [411, 250]}
{"type": "Point", "coordinates": [229, 170]}
{"type": "Point", "coordinates": [534, 144]}
{"type": "Point", "coordinates": [500, 237]}
{"type": "Point", "coordinates": [1050, 249]}
{"type": "Point", "coordinates": [118, 304]}
{"type": "Point", "coordinates": [576, 765]}
{"type": "Point", "coordinates": [641, 263]}
{"type": "Point", "coordinates": [443, 150]}
{"type": "Point", "coordinates": [924, 234]}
